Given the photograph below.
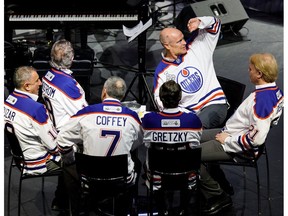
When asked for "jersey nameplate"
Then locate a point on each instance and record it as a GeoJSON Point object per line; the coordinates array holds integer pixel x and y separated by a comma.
{"type": "Point", "coordinates": [9, 114]}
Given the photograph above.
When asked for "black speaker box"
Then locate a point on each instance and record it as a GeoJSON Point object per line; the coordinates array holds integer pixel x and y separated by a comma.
{"type": "Point", "coordinates": [231, 13]}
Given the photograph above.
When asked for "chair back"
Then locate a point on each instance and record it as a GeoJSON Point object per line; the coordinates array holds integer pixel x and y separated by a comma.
{"type": "Point", "coordinates": [174, 160]}
{"type": "Point", "coordinates": [102, 172]}
{"type": "Point", "coordinates": [174, 164]}
{"type": "Point", "coordinates": [102, 167]}
{"type": "Point", "coordinates": [234, 92]}
{"type": "Point", "coordinates": [15, 147]}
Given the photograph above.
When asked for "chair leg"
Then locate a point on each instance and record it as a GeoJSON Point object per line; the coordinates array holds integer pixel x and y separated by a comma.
{"type": "Point", "coordinates": [151, 197]}
{"type": "Point", "coordinates": [268, 176]}
{"type": "Point", "coordinates": [19, 195]}
{"type": "Point", "coordinates": [258, 189]}
{"type": "Point", "coordinates": [43, 185]}
{"type": "Point", "coordinates": [9, 185]}
{"type": "Point", "coordinates": [113, 205]}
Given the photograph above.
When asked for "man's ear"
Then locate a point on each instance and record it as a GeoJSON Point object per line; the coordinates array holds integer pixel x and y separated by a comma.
{"type": "Point", "coordinates": [103, 94]}
{"type": "Point", "coordinates": [26, 86]}
{"type": "Point", "coordinates": [260, 74]}
{"type": "Point", "coordinates": [166, 46]}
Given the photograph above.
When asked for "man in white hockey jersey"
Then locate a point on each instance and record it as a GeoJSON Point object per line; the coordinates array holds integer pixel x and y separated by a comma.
{"type": "Point", "coordinates": [172, 127]}
{"type": "Point", "coordinates": [62, 94]}
{"type": "Point", "coordinates": [244, 132]}
{"type": "Point", "coordinates": [99, 125]}
{"type": "Point", "coordinates": [190, 63]}
{"type": "Point", "coordinates": [33, 128]}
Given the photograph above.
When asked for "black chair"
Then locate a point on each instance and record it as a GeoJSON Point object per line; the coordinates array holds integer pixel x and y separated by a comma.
{"type": "Point", "coordinates": [104, 180]}
{"type": "Point", "coordinates": [250, 160]}
{"type": "Point", "coordinates": [174, 164]}
{"type": "Point", "coordinates": [18, 162]}
{"type": "Point", "coordinates": [234, 92]}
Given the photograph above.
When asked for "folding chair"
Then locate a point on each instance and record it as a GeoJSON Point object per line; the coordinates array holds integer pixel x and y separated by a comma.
{"type": "Point", "coordinates": [251, 160]}
{"type": "Point", "coordinates": [174, 164]}
{"type": "Point", "coordinates": [104, 179]}
{"type": "Point", "coordinates": [18, 161]}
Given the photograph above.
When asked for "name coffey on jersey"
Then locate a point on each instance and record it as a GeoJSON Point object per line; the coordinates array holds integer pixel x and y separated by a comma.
{"type": "Point", "coordinates": [111, 120]}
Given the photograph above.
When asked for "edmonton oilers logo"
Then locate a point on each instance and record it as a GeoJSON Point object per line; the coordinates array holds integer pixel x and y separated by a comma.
{"type": "Point", "coordinates": [190, 79]}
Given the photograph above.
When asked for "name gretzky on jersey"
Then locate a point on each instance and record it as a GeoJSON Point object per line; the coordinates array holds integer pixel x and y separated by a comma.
{"type": "Point", "coordinates": [168, 136]}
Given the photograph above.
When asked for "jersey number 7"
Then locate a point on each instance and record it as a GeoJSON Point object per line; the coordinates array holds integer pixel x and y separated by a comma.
{"type": "Point", "coordinates": [116, 137]}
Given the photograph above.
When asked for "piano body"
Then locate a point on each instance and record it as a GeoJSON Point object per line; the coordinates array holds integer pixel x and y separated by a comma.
{"type": "Point", "coordinates": [76, 14]}
{"type": "Point", "coordinates": [57, 14]}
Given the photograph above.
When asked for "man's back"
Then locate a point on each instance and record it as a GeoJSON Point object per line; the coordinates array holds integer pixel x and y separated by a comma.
{"type": "Point", "coordinates": [106, 129]}
{"type": "Point", "coordinates": [63, 96]}
{"type": "Point", "coordinates": [172, 126]}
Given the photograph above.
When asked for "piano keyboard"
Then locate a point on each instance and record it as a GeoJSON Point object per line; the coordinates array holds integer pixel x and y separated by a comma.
{"type": "Point", "coordinates": [72, 18]}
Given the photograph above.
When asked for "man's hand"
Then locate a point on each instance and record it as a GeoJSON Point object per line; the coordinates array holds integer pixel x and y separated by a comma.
{"type": "Point", "coordinates": [220, 137]}
{"type": "Point", "coordinates": [193, 24]}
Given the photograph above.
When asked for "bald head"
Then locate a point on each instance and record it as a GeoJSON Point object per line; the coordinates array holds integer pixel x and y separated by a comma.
{"type": "Point", "coordinates": [169, 35]}
{"type": "Point", "coordinates": [173, 42]}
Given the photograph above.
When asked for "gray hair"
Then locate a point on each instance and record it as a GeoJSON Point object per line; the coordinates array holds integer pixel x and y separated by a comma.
{"type": "Point", "coordinates": [115, 87]}
{"type": "Point", "coordinates": [62, 54]}
{"type": "Point", "coordinates": [21, 75]}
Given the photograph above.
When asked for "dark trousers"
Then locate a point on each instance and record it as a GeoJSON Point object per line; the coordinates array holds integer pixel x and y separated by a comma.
{"type": "Point", "coordinates": [61, 196]}
{"type": "Point", "coordinates": [212, 176]}
{"type": "Point", "coordinates": [213, 115]}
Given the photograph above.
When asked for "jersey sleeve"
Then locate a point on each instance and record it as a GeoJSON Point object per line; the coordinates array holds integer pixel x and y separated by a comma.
{"type": "Point", "coordinates": [69, 135]}
{"type": "Point", "coordinates": [158, 81]}
{"type": "Point", "coordinates": [138, 140]}
{"type": "Point", "coordinates": [47, 132]}
{"type": "Point", "coordinates": [209, 31]}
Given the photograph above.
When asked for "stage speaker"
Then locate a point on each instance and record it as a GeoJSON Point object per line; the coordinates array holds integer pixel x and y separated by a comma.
{"type": "Point", "coordinates": [231, 13]}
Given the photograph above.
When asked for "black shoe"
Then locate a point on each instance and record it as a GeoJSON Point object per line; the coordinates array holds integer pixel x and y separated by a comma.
{"type": "Point", "coordinates": [216, 204]}
{"type": "Point", "coordinates": [228, 188]}
{"type": "Point", "coordinates": [58, 206]}
{"type": "Point", "coordinates": [163, 213]}
{"type": "Point", "coordinates": [183, 213]}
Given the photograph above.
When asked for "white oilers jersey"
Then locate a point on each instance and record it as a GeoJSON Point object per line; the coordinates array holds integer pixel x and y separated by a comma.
{"type": "Point", "coordinates": [251, 122]}
{"type": "Point", "coordinates": [63, 96]}
{"type": "Point", "coordinates": [105, 129]}
{"type": "Point", "coordinates": [34, 130]}
{"type": "Point", "coordinates": [194, 71]}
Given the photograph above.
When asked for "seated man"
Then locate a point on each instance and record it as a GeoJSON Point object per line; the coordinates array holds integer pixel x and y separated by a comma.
{"type": "Point", "coordinates": [105, 129]}
{"type": "Point", "coordinates": [244, 132]}
{"type": "Point", "coordinates": [185, 123]}
{"type": "Point", "coordinates": [33, 128]}
{"type": "Point", "coordinates": [62, 94]}
{"type": "Point", "coordinates": [190, 63]}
